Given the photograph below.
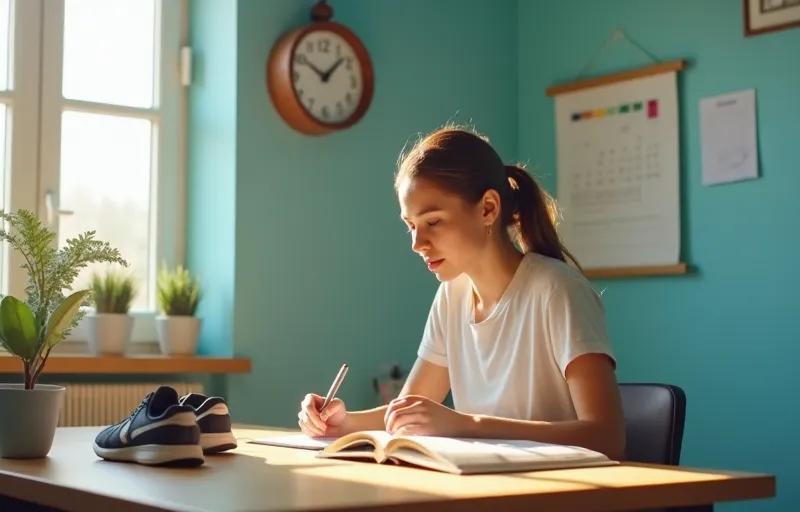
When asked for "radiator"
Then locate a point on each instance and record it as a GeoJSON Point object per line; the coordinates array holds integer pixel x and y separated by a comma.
{"type": "Point", "coordinates": [104, 404]}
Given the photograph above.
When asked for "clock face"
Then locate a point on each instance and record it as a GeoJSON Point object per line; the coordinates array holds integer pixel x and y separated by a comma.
{"type": "Point", "coordinates": [327, 76]}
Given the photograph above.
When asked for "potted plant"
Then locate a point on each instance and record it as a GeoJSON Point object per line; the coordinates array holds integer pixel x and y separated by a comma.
{"type": "Point", "coordinates": [30, 329]}
{"type": "Point", "coordinates": [178, 296]}
{"type": "Point", "coordinates": [110, 326]}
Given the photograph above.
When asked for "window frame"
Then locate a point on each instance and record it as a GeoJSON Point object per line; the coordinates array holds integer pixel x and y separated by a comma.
{"type": "Point", "coordinates": [22, 135]}
{"type": "Point", "coordinates": [35, 73]}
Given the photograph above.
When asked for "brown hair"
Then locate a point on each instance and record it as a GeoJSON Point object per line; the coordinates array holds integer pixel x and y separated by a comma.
{"type": "Point", "coordinates": [464, 163]}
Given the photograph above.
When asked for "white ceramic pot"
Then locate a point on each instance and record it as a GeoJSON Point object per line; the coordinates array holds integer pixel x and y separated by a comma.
{"type": "Point", "coordinates": [28, 420]}
{"type": "Point", "coordinates": [177, 335]}
{"type": "Point", "coordinates": [109, 333]}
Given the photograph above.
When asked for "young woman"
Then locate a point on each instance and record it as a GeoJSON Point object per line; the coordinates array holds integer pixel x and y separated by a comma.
{"type": "Point", "coordinates": [516, 332]}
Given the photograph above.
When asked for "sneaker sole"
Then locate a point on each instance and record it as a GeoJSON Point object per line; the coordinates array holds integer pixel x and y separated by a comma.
{"type": "Point", "coordinates": [217, 442]}
{"type": "Point", "coordinates": [155, 454]}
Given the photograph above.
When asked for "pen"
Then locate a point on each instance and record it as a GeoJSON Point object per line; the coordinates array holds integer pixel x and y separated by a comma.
{"type": "Point", "coordinates": [334, 387]}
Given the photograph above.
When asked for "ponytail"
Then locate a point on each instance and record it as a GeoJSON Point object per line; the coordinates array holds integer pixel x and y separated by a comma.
{"type": "Point", "coordinates": [534, 216]}
{"type": "Point", "coordinates": [463, 162]}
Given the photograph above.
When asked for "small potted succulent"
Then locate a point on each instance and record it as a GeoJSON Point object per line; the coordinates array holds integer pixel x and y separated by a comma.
{"type": "Point", "coordinates": [30, 329]}
{"type": "Point", "coordinates": [178, 296]}
{"type": "Point", "coordinates": [110, 326]}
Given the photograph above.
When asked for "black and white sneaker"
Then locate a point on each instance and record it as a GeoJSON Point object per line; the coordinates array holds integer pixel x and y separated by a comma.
{"type": "Point", "coordinates": [214, 420]}
{"type": "Point", "coordinates": [159, 431]}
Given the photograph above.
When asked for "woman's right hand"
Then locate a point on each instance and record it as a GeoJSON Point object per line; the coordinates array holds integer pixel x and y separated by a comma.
{"type": "Point", "coordinates": [328, 424]}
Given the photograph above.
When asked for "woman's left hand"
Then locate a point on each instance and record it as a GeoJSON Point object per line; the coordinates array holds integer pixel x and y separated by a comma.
{"type": "Point", "coordinates": [418, 415]}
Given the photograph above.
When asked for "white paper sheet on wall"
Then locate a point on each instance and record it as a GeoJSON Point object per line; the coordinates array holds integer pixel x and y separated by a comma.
{"type": "Point", "coordinates": [618, 172]}
{"type": "Point", "coordinates": [728, 134]}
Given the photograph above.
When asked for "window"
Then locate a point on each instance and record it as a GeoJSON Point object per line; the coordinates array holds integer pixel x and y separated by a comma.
{"type": "Point", "coordinates": [92, 116]}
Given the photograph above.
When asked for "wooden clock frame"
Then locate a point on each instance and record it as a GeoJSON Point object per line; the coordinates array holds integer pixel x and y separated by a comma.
{"type": "Point", "coordinates": [280, 66]}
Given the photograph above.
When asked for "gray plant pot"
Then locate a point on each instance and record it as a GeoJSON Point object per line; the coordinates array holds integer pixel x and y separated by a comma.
{"type": "Point", "coordinates": [109, 333]}
{"type": "Point", "coordinates": [28, 419]}
{"type": "Point", "coordinates": [177, 335]}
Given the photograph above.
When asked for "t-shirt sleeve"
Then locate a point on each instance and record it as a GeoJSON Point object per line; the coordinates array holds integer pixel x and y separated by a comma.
{"type": "Point", "coordinates": [576, 322]}
{"type": "Point", "coordinates": [433, 348]}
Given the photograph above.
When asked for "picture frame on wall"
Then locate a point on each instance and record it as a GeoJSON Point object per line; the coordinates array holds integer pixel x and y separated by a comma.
{"type": "Point", "coordinates": [761, 16]}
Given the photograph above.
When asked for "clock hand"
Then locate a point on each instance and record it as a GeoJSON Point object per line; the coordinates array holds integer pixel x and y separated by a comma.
{"type": "Point", "coordinates": [316, 70]}
{"type": "Point", "coordinates": [326, 76]}
{"type": "Point", "coordinates": [310, 64]}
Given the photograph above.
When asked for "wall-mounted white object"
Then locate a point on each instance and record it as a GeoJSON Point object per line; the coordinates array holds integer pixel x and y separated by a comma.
{"type": "Point", "coordinates": [186, 66]}
{"type": "Point", "coordinates": [728, 137]}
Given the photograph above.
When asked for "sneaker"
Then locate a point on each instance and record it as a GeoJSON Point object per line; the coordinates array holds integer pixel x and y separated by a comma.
{"type": "Point", "coordinates": [159, 431]}
{"type": "Point", "coordinates": [214, 420]}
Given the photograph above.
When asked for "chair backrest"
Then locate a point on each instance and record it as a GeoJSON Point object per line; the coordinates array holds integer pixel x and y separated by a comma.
{"type": "Point", "coordinates": [654, 417]}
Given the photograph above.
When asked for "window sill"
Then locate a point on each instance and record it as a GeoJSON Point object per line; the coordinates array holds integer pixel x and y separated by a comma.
{"type": "Point", "coordinates": [131, 364]}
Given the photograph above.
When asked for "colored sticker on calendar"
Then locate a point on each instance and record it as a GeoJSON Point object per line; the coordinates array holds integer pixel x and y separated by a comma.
{"type": "Point", "coordinates": [624, 108]}
{"type": "Point", "coordinates": [652, 109]}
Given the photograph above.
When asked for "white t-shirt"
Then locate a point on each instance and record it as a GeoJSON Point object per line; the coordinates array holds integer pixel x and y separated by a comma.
{"type": "Point", "coordinates": [513, 363]}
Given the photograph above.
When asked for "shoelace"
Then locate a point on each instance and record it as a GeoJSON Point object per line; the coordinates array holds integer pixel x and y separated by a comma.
{"type": "Point", "coordinates": [139, 407]}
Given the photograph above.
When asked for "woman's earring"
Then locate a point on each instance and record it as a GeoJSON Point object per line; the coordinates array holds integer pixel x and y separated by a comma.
{"type": "Point", "coordinates": [489, 230]}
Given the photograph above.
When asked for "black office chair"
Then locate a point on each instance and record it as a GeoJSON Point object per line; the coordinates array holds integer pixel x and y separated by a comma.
{"type": "Point", "coordinates": [654, 418]}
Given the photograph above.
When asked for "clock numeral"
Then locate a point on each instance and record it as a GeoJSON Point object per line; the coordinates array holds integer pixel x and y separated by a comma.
{"type": "Point", "coordinates": [300, 59]}
{"type": "Point", "coordinates": [295, 76]}
{"type": "Point", "coordinates": [353, 82]}
{"type": "Point", "coordinates": [349, 63]}
{"type": "Point", "coordinates": [339, 109]}
{"type": "Point", "coordinates": [309, 46]}
{"type": "Point", "coordinates": [338, 51]}
{"type": "Point", "coordinates": [325, 112]}
{"type": "Point", "coordinates": [300, 92]}
{"type": "Point", "coordinates": [310, 103]}
{"type": "Point", "coordinates": [348, 98]}
{"type": "Point", "coordinates": [323, 45]}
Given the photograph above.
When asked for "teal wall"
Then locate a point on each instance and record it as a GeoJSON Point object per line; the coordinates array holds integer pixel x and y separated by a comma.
{"type": "Point", "coordinates": [728, 332]}
{"type": "Point", "coordinates": [324, 273]}
{"type": "Point", "coordinates": [211, 176]}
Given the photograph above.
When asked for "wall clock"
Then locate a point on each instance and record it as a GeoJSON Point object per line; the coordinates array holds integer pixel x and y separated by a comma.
{"type": "Point", "coordinates": [319, 76]}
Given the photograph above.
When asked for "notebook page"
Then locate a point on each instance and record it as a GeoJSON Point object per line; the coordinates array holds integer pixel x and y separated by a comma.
{"type": "Point", "coordinates": [297, 441]}
{"type": "Point", "coordinates": [505, 453]}
{"type": "Point", "coordinates": [381, 436]}
{"type": "Point", "coordinates": [358, 440]}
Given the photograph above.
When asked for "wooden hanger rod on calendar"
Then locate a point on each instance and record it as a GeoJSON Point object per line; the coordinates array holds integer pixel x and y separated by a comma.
{"type": "Point", "coordinates": [655, 69]}
{"type": "Point", "coordinates": [614, 272]}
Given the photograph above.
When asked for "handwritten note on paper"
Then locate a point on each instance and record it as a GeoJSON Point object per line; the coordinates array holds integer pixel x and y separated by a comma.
{"type": "Point", "coordinates": [728, 131]}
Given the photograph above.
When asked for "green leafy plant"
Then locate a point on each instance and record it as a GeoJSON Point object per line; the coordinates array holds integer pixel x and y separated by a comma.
{"type": "Point", "coordinates": [31, 329]}
{"type": "Point", "coordinates": [113, 292]}
{"type": "Point", "coordinates": [178, 292]}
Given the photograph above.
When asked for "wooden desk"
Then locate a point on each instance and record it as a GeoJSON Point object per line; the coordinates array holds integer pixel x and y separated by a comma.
{"type": "Point", "coordinates": [257, 477]}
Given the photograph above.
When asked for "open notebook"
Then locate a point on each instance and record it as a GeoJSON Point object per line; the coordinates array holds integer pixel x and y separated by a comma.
{"type": "Point", "coordinates": [451, 455]}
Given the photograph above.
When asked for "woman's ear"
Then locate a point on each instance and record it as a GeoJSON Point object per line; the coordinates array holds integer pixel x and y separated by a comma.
{"type": "Point", "coordinates": [490, 207]}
